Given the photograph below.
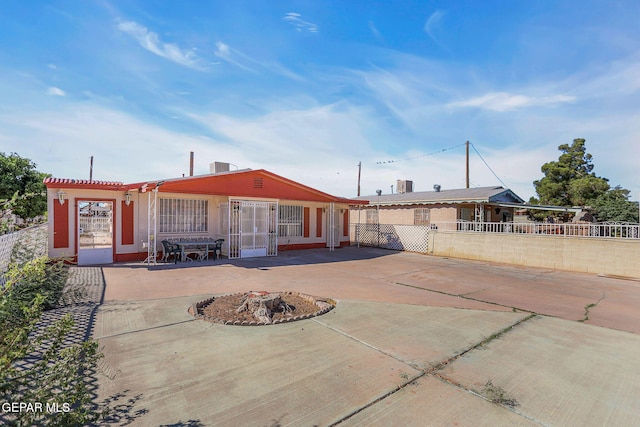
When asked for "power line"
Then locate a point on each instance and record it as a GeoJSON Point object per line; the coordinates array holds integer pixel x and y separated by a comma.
{"type": "Point", "coordinates": [419, 156]}
{"type": "Point", "coordinates": [487, 165]}
{"type": "Point", "coordinates": [443, 150]}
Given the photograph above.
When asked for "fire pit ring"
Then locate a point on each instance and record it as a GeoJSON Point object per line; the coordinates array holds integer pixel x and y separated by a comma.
{"type": "Point", "coordinates": [260, 308]}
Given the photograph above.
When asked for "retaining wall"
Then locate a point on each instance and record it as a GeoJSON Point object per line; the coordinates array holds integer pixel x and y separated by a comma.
{"type": "Point", "coordinates": [615, 257]}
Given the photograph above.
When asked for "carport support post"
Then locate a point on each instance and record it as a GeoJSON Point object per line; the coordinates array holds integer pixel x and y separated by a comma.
{"type": "Point", "coordinates": [378, 192]}
{"type": "Point", "coordinates": [358, 226]}
{"type": "Point", "coordinates": [332, 227]}
{"type": "Point", "coordinates": [152, 250]}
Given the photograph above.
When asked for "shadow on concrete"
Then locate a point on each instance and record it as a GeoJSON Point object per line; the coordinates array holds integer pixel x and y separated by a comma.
{"type": "Point", "coordinates": [284, 258]}
{"type": "Point", "coordinates": [85, 287]}
{"type": "Point", "coordinates": [119, 409]}
{"type": "Point", "coordinates": [188, 423]}
{"type": "Point", "coordinates": [83, 293]}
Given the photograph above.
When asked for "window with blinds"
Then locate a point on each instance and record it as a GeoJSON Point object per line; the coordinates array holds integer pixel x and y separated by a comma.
{"type": "Point", "coordinates": [290, 220]}
{"type": "Point", "coordinates": [183, 216]}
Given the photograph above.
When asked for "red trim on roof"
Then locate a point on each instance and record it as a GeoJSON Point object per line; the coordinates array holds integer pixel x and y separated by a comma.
{"type": "Point", "coordinates": [82, 183]}
{"type": "Point", "coordinates": [79, 181]}
{"type": "Point", "coordinates": [244, 183]}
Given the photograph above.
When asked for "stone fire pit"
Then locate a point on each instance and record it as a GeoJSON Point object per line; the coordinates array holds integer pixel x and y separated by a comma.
{"type": "Point", "coordinates": [260, 308]}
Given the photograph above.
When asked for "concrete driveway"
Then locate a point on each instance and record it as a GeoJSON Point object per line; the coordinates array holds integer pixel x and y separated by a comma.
{"type": "Point", "coordinates": [414, 340]}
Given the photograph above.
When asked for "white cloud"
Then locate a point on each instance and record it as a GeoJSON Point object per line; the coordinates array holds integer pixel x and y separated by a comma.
{"type": "Point", "coordinates": [151, 42]}
{"type": "Point", "coordinates": [432, 24]}
{"type": "Point", "coordinates": [434, 110]}
{"type": "Point", "coordinates": [222, 49]}
{"type": "Point", "coordinates": [279, 136]}
{"type": "Point", "coordinates": [503, 101]}
{"type": "Point", "coordinates": [376, 33]}
{"type": "Point", "coordinates": [226, 53]}
{"type": "Point", "coordinates": [300, 25]}
{"type": "Point", "coordinates": [316, 146]}
{"type": "Point", "coordinates": [125, 149]}
{"type": "Point", "coordinates": [409, 91]}
{"type": "Point", "coordinates": [55, 91]}
{"type": "Point", "coordinates": [247, 63]}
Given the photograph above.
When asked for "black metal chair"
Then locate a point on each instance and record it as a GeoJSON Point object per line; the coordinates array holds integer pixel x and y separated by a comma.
{"type": "Point", "coordinates": [171, 249]}
{"type": "Point", "coordinates": [217, 249]}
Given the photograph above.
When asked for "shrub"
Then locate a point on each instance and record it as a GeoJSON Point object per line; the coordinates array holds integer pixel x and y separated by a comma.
{"type": "Point", "coordinates": [38, 366]}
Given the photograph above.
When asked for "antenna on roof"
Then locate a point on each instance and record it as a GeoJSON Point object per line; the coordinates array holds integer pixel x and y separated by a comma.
{"type": "Point", "coordinates": [91, 170]}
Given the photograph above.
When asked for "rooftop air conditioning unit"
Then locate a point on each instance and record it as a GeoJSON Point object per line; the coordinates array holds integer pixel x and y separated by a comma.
{"type": "Point", "coordinates": [404, 186]}
{"type": "Point", "coordinates": [216, 167]}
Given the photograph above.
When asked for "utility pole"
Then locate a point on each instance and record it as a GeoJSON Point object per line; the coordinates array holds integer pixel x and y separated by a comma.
{"type": "Point", "coordinates": [359, 170]}
{"type": "Point", "coordinates": [467, 164]}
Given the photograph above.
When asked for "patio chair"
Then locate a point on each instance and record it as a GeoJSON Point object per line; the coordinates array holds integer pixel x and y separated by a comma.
{"type": "Point", "coordinates": [171, 249]}
{"type": "Point", "coordinates": [217, 249]}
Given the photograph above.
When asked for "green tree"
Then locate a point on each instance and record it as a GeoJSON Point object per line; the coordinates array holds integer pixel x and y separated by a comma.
{"type": "Point", "coordinates": [614, 205]}
{"type": "Point", "coordinates": [570, 181]}
{"type": "Point", "coordinates": [20, 181]}
{"type": "Point", "coordinates": [583, 191]}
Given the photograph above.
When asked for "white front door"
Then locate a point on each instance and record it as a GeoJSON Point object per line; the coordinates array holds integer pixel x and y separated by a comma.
{"type": "Point", "coordinates": [95, 232]}
{"type": "Point", "coordinates": [253, 229]}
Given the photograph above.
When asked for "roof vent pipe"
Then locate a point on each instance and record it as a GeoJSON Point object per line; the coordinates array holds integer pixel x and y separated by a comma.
{"type": "Point", "coordinates": [191, 164]}
{"type": "Point", "coordinates": [437, 188]}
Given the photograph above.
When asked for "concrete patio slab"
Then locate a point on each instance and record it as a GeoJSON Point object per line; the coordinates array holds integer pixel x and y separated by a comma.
{"type": "Point", "coordinates": [300, 373]}
{"type": "Point", "coordinates": [312, 372]}
{"type": "Point", "coordinates": [419, 336]}
{"type": "Point", "coordinates": [395, 323]}
{"type": "Point", "coordinates": [617, 307]}
{"type": "Point", "coordinates": [122, 317]}
{"type": "Point", "coordinates": [561, 373]}
{"type": "Point", "coordinates": [431, 402]}
{"type": "Point", "coordinates": [336, 277]}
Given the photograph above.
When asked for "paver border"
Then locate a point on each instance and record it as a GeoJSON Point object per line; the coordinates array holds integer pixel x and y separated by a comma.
{"type": "Point", "coordinates": [324, 306]}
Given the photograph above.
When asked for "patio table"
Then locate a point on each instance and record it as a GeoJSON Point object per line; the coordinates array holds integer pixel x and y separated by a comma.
{"type": "Point", "coordinates": [210, 243]}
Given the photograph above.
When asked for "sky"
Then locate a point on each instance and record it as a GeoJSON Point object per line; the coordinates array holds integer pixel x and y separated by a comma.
{"type": "Point", "coordinates": [311, 89]}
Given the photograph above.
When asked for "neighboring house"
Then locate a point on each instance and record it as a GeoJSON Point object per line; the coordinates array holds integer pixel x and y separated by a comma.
{"type": "Point", "coordinates": [257, 213]}
{"type": "Point", "coordinates": [486, 204]}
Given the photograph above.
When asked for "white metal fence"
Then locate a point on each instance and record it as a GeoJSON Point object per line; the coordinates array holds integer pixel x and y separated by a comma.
{"type": "Point", "coordinates": [412, 238]}
{"type": "Point", "coordinates": [95, 224]}
{"type": "Point", "coordinates": [415, 238]}
{"type": "Point", "coordinates": [594, 230]}
{"type": "Point", "coordinates": [22, 246]}
{"type": "Point", "coordinates": [7, 242]}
